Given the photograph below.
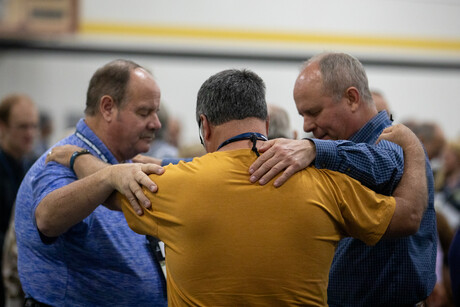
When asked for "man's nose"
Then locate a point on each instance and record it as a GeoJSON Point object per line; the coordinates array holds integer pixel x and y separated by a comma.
{"type": "Point", "coordinates": [154, 122]}
{"type": "Point", "coordinates": [308, 124]}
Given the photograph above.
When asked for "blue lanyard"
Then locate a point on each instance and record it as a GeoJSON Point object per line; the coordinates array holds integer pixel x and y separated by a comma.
{"type": "Point", "coordinates": [253, 136]}
{"type": "Point", "coordinates": [92, 146]}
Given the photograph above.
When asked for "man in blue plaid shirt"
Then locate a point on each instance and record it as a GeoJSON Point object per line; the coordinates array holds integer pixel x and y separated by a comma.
{"type": "Point", "coordinates": [332, 95]}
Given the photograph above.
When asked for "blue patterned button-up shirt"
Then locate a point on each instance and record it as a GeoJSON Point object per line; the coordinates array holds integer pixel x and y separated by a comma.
{"type": "Point", "coordinates": [99, 261]}
{"type": "Point", "coordinates": [394, 272]}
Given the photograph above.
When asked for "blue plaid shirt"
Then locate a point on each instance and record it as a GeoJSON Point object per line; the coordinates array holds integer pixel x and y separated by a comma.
{"type": "Point", "coordinates": [394, 272]}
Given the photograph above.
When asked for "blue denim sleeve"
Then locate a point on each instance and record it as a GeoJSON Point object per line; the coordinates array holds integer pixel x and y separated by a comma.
{"type": "Point", "coordinates": [379, 167]}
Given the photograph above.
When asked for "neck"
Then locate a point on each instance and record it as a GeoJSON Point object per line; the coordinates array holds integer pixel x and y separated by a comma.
{"type": "Point", "coordinates": [233, 128]}
{"type": "Point", "coordinates": [361, 119]}
{"type": "Point", "coordinates": [102, 131]}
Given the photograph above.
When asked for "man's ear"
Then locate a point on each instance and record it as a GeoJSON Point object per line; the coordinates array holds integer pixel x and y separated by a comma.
{"type": "Point", "coordinates": [353, 98]}
{"type": "Point", "coordinates": [107, 108]}
{"type": "Point", "coordinates": [206, 126]}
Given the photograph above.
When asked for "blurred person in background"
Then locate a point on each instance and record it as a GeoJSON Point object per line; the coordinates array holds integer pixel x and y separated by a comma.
{"type": "Point", "coordinates": [432, 137]}
{"type": "Point", "coordinates": [192, 150]}
{"type": "Point", "coordinates": [280, 125]}
{"type": "Point", "coordinates": [46, 128]}
{"type": "Point", "coordinates": [174, 132]}
{"type": "Point", "coordinates": [72, 250]}
{"type": "Point", "coordinates": [449, 183]}
{"type": "Point", "coordinates": [381, 102]}
{"type": "Point", "coordinates": [18, 130]}
{"type": "Point", "coordinates": [333, 97]}
{"type": "Point", "coordinates": [160, 147]}
{"type": "Point", "coordinates": [434, 141]}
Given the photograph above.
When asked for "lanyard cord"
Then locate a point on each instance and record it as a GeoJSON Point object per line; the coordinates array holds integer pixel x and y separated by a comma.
{"type": "Point", "coordinates": [253, 136]}
{"type": "Point", "coordinates": [93, 147]}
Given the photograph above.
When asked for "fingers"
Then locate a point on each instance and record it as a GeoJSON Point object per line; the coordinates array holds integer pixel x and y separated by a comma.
{"type": "Point", "coordinates": [61, 154]}
{"type": "Point", "coordinates": [145, 180]}
{"type": "Point", "coordinates": [266, 146]}
{"type": "Point", "coordinates": [136, 189]}
{"type": "Point", "coordinates": [262, 159]}
{"type": "Point", "coordinates": [398, 134]}
{"type": "Point", "coordinates": [146, 159]}
{"type": "Point", "coordinates": [48, 156]}
{"type": "Point", "coordinates": [274, 170]}
{"type": "Point", "coordinates": [261, 166]}
{"type": "Point", "coordinates": [281, 155]}
{"type": "Point", "coordinates": [151, 168]}
{"type": "Point", "coordinates": [131, 177]}
{"type": "Point", "coordinates": [133, 202]}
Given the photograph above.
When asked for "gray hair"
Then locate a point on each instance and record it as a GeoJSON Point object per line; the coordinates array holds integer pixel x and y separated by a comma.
{"type": "Point", "coordinates": [112, 80]}
{"type": "Point", "coordinates": [280, 126]}
{"type": "Point", "coordinates": [340, 71]}
{"type": "Point", "coordinates": [231, 95]}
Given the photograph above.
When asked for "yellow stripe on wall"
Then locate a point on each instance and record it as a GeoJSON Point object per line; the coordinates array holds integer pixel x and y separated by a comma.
{"type": "Point", "coordinates": [273, 37]}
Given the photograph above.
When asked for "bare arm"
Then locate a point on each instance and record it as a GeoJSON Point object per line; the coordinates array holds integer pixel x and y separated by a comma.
{"type": "Point", "coordinates": [411, 194]}
{"type": "Point", "coordinates": [62, 155]}
{"type": "Point", "coordinates": [54, 215]}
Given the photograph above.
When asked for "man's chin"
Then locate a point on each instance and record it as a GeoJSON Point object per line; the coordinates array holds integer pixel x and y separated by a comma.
{"type": "Point", "coordinates": [323, 137]}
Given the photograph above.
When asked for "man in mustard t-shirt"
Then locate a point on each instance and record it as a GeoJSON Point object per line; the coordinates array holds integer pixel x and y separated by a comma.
{"type": "Point", "coordinates": [230, 242]}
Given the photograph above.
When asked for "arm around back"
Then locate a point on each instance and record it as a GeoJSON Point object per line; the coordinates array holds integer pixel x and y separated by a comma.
{"type": "Point", "coordinates": [67, 206]}
{"type": "Point", "coordinates": [411, 194]}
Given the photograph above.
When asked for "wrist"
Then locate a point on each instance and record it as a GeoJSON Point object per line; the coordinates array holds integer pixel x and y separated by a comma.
{"type": "Point", "coordinates": [75, 155]}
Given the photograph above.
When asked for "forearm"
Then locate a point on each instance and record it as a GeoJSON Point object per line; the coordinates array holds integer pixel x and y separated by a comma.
{"type": "Point", "coordinates": [67, 206]}
{"type": "Point", "coordinates": [86, 165]}
{"type": "Point", "coordinates": [127, 178]}
{"type": "Point", "coordinates": [83, 164]}
{"type": "Point", "coordinates": [411, 194]}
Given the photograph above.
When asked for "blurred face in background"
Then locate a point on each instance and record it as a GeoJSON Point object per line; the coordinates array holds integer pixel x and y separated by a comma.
{"type": "Point", "coordinates": [19, 133]}
{"type": "Point", "coordinates": [451, 159]}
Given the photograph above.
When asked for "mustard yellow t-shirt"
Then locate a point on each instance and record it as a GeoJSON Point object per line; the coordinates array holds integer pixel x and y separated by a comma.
{"type": "Point", "coordinates": [233, 243]}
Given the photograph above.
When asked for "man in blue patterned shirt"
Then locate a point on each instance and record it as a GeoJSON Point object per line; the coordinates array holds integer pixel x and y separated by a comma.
{"type": "Point", "coordinates": [72, 251]}
{"type": "Point", "coordinates": [333, 97]}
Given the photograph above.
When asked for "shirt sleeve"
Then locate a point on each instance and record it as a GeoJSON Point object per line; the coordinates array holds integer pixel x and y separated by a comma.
{"type": "Point", "coordinates": [364, 214]}
{"type": "Point", "coordinates": [379, 167]}
{"type": "Point", "coordinates": [144, 224]}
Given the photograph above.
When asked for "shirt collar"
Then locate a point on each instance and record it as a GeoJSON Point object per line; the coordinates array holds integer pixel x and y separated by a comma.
{"type": "Point", "coordinates": [89, 134]}
{"type": "Point", "coordinates": [370, 132]}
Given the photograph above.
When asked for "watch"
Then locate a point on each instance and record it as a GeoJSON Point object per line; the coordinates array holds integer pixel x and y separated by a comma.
{"type": "Point", "coordinates": [75, 155]}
